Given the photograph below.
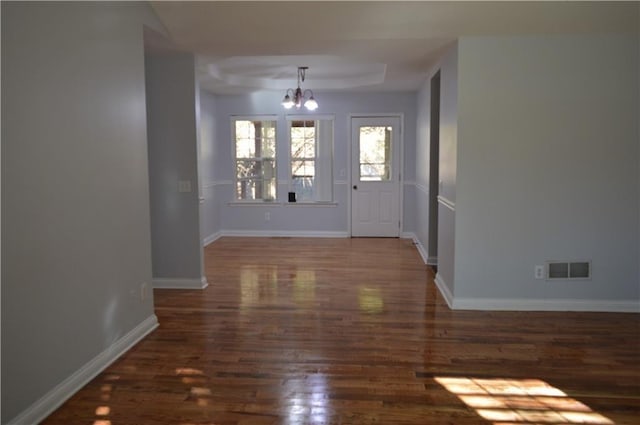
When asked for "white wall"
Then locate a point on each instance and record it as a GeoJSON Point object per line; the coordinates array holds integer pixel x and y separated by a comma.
{"type": "Point", "coordinates": [210, 216]}
{"type": "Point", "coordinates": [172, 107]}
{"type": "Point", "coordinates": [547, 170]}
{"type": "Point", "coordinates": [75, 209]}
{"type": "Point", "coordinates": [299, 219]}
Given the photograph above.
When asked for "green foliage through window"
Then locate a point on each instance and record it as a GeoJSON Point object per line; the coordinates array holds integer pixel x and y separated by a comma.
{"type": "Point", "coordinates": [255, 159]}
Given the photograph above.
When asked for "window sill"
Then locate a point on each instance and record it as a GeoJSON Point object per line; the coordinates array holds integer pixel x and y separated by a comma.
{"type": "Point", "coordinates": [281, 204]}
{"type": "Point", "coordinates": [310, 204]}
{"type": "Point", "coordinates": [254, 204]}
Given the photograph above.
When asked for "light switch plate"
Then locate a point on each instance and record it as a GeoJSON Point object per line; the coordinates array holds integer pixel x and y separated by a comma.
{"type": "Point", "coordinates": [184, 186]}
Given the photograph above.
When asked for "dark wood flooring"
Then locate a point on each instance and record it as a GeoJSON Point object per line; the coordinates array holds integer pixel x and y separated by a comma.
{"type": "Point", "coordinates": [353, 331]}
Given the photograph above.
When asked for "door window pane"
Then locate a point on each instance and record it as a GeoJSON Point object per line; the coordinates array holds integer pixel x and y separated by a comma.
{"type": "Point", "coordinates": [375, 153]}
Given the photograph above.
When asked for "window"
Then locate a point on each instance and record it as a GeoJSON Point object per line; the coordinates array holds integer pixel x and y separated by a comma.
{"type": "Point", "coordinates": [255, 159]}
{"type": "Point", "coordinates": [311, 143]}
{"type": "Point", "coordinates": [375, 153]}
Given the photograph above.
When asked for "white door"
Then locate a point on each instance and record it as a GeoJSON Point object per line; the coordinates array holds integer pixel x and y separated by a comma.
{"type": "Point", "coordinates": [375, 176]}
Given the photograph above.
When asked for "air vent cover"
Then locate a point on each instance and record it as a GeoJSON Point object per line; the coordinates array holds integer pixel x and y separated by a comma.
{"type": "Point", "coordinates": [568, 270]}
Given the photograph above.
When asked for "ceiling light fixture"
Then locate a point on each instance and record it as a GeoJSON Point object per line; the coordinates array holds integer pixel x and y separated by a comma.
{"type": "Point", "coordinates": [298, 97]}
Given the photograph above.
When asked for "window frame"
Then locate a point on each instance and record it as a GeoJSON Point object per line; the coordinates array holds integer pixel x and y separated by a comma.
{"type": "Point", "coordinates": [387, 164]}
{"type": "Point", "coordinates": [234, 158]}
{"type": "Point", "coordinates": [290, 119]}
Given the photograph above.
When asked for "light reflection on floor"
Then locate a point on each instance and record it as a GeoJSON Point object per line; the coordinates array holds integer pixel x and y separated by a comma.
{"type": "Point", "coordinates": [370, 300]}
{"type": "Point", "coordinates": [257, 284]}
{"type": "Point", "coordinates": [308, 400]}
{"type": "Point", "coordinates": [520, 401]}
{"type": "Point", "coordinates": [260, 285]}
{"type": "Point", "coordinates": [304, 287]}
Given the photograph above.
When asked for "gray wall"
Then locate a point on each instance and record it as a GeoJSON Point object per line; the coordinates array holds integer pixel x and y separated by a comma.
{"type": "Point", "coordinates": [448, 168]}
{"type": "Point", "coordinates": [448, 67]}
{"type": "Point", "coordinates": [173, 156]}
{"type": "Point", "coordinates": [75, 209]}
{"type": "Point", "coordinates": [423, 123]}
{"type": "Point", "coordinates": [210, 216]}
{"type": "Point", "coordinates": [539, 158]}
{"type": "Point", "coordinates": [638, 120]}
{"type": "Point", "coordinates": [547, 166]}
{"type": "Point", "coordinates": [299, 218]}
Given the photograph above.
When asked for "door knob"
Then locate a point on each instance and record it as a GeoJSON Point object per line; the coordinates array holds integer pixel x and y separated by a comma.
{"type": "Point", "coordinates": [355, 187]}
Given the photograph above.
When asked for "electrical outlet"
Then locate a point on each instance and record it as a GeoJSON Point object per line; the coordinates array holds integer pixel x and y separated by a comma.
{"type": "Point", "coordinates": [538, 272]}
{"type": "Point", "coordinates": [267, 216]}
{"type": "Point", "coordinates": [143, 291]}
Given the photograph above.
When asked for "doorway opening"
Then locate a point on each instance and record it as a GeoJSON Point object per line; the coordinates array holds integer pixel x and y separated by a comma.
{"type": "Point", "coordinates": [434, 169]}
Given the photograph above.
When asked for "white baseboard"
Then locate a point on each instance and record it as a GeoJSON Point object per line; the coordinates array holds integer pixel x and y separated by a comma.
{"type": "Point", "coordinates": [432, 261]}
{"type": "Point", "coordinates": [42, 408]}
{"type": "Point", "coordinates": [444, 290]}
{"type": "Point", "coordinates": [203, 282]}
{"type": "Point", "coordinates": [284, 233]}
{"type": "Point", "coordinates": [509, 304]}
{"type": "Point", "coordinates": [498, 304]}
{"type": "Point", "coordinates": [179, 283]}
{"type": "Point", "coordinates": [211, 238]}
{"type": "Point", "coordinates": [408, 235]}
{"type": "Point", "coordinates": [422, 251]}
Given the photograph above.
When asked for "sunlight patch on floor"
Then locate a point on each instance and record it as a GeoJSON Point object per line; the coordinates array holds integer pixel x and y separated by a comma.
{"type": "Point", "coordinates": [520, 401]}
{"type": "Point", "coordinates": [103, 411]}
{"type": "Point", "coordinates": [188, 371]}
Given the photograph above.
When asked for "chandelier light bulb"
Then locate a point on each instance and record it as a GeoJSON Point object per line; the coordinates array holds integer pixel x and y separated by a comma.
{"type": "Point", "coordinates": [287, 102]}
{"type": "Point", "coordinates": [311, 104]}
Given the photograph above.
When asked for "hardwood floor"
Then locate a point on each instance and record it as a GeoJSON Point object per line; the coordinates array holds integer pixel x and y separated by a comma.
{"type": "Point", "coordinates": [353, 331]}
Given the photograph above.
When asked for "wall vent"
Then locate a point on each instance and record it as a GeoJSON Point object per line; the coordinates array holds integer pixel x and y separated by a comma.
{"type": "Point", "coordinates": [568, 270]}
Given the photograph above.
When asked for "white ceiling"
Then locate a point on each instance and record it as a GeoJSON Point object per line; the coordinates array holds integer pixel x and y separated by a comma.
{"type": "Point", "coordinates": [377, 46]}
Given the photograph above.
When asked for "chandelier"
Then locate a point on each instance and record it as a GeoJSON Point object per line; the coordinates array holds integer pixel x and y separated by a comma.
{"type": "Point", "coordinates": [298, 97]}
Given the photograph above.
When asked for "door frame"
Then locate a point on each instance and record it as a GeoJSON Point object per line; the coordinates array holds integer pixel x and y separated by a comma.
{"type": "Point", "coordinates": [350, 182]}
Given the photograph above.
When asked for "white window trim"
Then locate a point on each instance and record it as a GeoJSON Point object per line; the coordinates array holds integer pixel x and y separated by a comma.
{"type": "Point", "coordinates": [232, 127]}
{"type": "Point", "coordinates": [310, 117]}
